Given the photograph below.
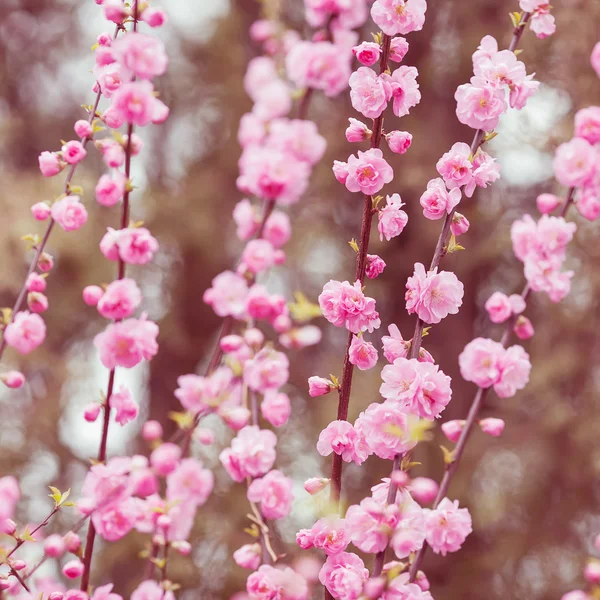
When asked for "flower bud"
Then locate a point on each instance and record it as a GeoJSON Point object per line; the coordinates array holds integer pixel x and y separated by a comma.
{"type": "Point", "coordinates": [592, 572]}
{"type": "Point", "coordinates": [319, 386]}
{"type": "Point", "coordinates": [254, 337]}
{"type": "Point", "coordinates": [314, 485]}
{"type": "Point", "coordinates": [152, 431]}
{"type": "Point", "coordinates": [83, 128]}
{"type": "Point", "coordinates": [37, 302]}
{"type": "Point", "coordinates": [13, 379]}
{"type": "Point", "coordinates": [453, 429]}
{"type": "Point", "coordinates": [45, 262]}
{"type": "Point", "coordinates": [523, 328]}
{"type": "Point", "coordinates": [375, 266]}
{"type": "Point", "coordinates": [204, 436]}
{"type": "Point", "coordinates": [399, 141]}
{"type": "Point", "coordinates": [423, 489]}
{"type": "Point", "coordinates": [10, 527]}
{"type": "Point", "coordinates": [491, 426]}
{"type": "Point", "coordinates": [40, 211]}
{"type": "Point", "coordinates": [19, 565]}
{"type": "Point", "coordinates": [165, 458]}
{"type": "Point", "coordinates": [547, 203]}
{"type": "Point", "coordinates": [35, 283]}
{"type": "Point", "coordinates": [73, 569]}
{"type": "Point", "coordinates": [92, 294]}
{"type": "Point", "coordinates": [91, 412]}
{"type": "Point", "coordinates": [236, 417]}
{"type": "Point", "coordinates": [54, 545]}
{"type": "Point", "coordinates": [72, 542]}
{"type": "Point", "coordinates": [459, 224]}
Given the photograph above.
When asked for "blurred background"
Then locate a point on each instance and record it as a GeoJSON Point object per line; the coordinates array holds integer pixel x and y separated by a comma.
{"type": "Point", "coordinates": [534, 492]}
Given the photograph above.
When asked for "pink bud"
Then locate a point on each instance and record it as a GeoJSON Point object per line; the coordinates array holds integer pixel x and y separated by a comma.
{"type": "Point", "coordinates": [92, 294]}
{"type": "Point", "coordinates": [517, 303]}
{"type": "Point", "coordinates": [423, 489]}
{"type": "Point", "coordinates": [72, 541]}
{"type": "Point", "coordinates": [282, 324]}
{"type": "Point", "coordinates": [5, 583]}
{"type": "Point", "coordinates": [163, 522]}
{"type": "Point", "coordinates": [592, 572]}
{"type": "Point", "coordinates": [399, 141]}
{"type": "Point", "coordinates": [547, 203]}
{"type": "Point", "coordinates": [422, 581]}
{"type": "Point", "coordinates": [91, 412]}
{"type": "Point", "coordinates": [45, 262]}
{"type": "Point", "coordinates": [165, 458]}
{"type": "Point", "coordinates": [248, 556]}
{"type": "Point", "coordinates": [40, 211]}
{"type": "Point", "coordinates": [375, 266]}
{"type": "Point", "coordinates": [152, 431]}
{"type": "Point", "coordinates": [182, 546]}
{"type": "Point", "coordinates": [73, 569]}
{"type": "Point", "coordinates": [54, 546]}
{"type": "Point", "coordinates": [231, 343]}
{"type": "Point", "coordinates": [459, 224]}
{"type": "Point", "coordinates": [367, 53]}
{"type": "Point", "coordinates": [35, 283]}
{"type": "Point", "coordinates": [13, 379]}
{"type": "Point", "coordinates": [236, 417]}
{"type": "Point", "coordinates": [50, 164]}
{"type": "Point", "coordinates": [523, 328]}
{"type": "Point", "coordinates": [319, 386]}
{"type": "Point", "coordinates": [491, 426]}
{"type": "Point", "coordinates": [56, 596]}
{"type": "Point", "coordinates": [73, 152]}
{"type": "Point", "coordinates": [453, 429]}
{"type": "Point", "coordinates": [400, 478]}
{"type": "Point", "coordinates": [398, 49]}
{"type": "Point", "coordinates": [19, 565]}
{"type": "Point", "coordinates": [155, 17]}
{"type": "Point", "coordinates": [83, 128]}
{"type": "Point", "coordinates": [314, 485]}
{"type": "Point", "coordinates": [204, 436]}
{"type": "Point", "coordinates": [357, 131]}
{"type": "Point", "coordinates": [374, 588]}
{"type": "Point", "coordinates": [37, 302]}
{"type": "Point", "coordinates": [144, 482]}
{"type": "Point", "coordinates": [340, 171]}
{"type": "Point", "coordinates": [136, 144]}
{"type": "Point", "coordinates": [254, 337]}
{"type": "Point", "coordinates": [9, 527]}
{"type": "Point", "coordinates": [104, 39]}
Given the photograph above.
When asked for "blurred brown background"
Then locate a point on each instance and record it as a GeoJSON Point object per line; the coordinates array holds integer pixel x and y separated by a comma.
{"type": "Point", "coordinates": [533, 492]}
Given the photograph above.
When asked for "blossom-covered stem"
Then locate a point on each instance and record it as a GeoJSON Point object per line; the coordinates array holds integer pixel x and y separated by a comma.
{"type": "Point", "coordinates": [392, 491]}
{"type": "Point", "coordinates": [518, 31]}
{"type": "Point", "coordinates": [472, 416]}
{"type": "Point", "coordinates": [21, 541]}
{"type": "Point", "coordinates": [42, 245]}
{"type": "Point", "coordinates": [361, 262]}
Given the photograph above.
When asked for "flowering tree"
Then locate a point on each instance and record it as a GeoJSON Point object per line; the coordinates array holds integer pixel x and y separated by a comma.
{"type": "Point", "coordinates": [373, 546]}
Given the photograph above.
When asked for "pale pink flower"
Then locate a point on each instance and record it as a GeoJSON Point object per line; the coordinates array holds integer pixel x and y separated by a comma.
{"type": "Point", "coordinates": [137, 246]}
{"type": "Point", "coordinates": [455, 166]}
{"type": "Point", "coordinates": [424, 489]}
{"type": "Point", "coordinates": [298, 138]}
{"type": "Point", "coordinates": [485, 170]}
{"type": "Point", "coordinates": [197, 393]}
{"type": "Point", "coordinates": [127, 343]}
{"type": "Point", "coordinates": [409, 534]}
{"type": "Point", "coordinates": [575, 162]}
{"type": "Point", "coordinates": [73, 569]}
{"type": "Point", "coordinates": [155, 17]}
{"type": "Point", "coordinates": [405, 89]}
{"type": "Point", "coordinates": [189, 482]}
{"type": "Point", "coordinates": [40, 211]}
{"type": "Point", "coordinates": [25, 332]}
{"type": "Point", "coordinates": [543, 24]}
{"type": "Point", "coordinates": [319, 386]}
{"type": "Point", "coordinates": [249, 556]}
{"type": "Point", "coordinates": [258, 255]}
{"type": "Point", "coordinates": [151, 590]}
{"type": "Point", "coordinates": [344, 575]}
{"type": "Point", "coordinates": [392, 220]}
{"type": "Point", "coordinates": [125, 406]}
{"type": "Point", "coordinates": [517, 303]}
{"type": "Point", "coordinates": [272, 101]}
{"type": "Point", "coordinates": [547, 203]}
{"type": "Point", "coordinates": [252, 453]}
{"type": "Point", "coordinates": [104, 592]}
{"type": "Point", "coordinates": [273, 493]}
{"type": "Point", "coordinates": [447, 526]}
{"type": "Point", "coordinates": [278, 229]}
{"type": "Point", "coordinates": [576, 595]}
{"type": "Point", "coordinates": [346, 305]}
{"type": "Point", "coordinates": [523, 328]}
{"type": "Point", "coordinates": [165, 458]}
{"type": "Point", "coordinates": [399, 141]}
{"type": "Point", "coordinates": [498, 307]}
{"type": "Point", "coordinates": [394, 345]}
{"type": "Point", "coordinates": [69, 213]}
{"type": "Point", "coordinates": [492, 426]}
{"type": "Point", "coordinates": [268, 370]}
{"type": "Point", "coordinates": [401, 589]}
{"type": "Point", "coordinates": [479, 104]}
{"type": "Point", "coordinates": [370, 524]}
{"type": "Point", "coordinates": [587, 124]}
{"type": "Point", "coordinates": [459, 224]}
{"type": "Point", "coordinates": [453, 429]}
{"type": "Point", "coordinates": [271, 583]}
{"type": "Point", "coordinates": [319, 65]}
{"type": "Point", "coordinates": [314, 485]}
{"type": "Point", "coordinates": [369, 172]}
{"type": "Point", "coordinates": [13, 379]}
{"type": "Point", "coordinates": [110, 189]}
{"type": "Point", "coordinates": [362, 353]}
{"type": "Point", "coordinates": [134, 102]}
{"type": "Point", "coordinates": [386, 429]}
{"type": "Point", "coordinates": [432, 295]}
{"type": "Point", "coordinates": [341, 437]}
{"type": "Point", "coordinates": [588, 203]}
{"type": "Point", "coordinates": [140, 55]}
{"type": "Point", "coordinates": [329, 534]}
{"type": "Point", "coordinates": [340, 171]}
{"type": "Point", "coordinates": [120, 299]}
{"type": "Point", "coordinates": [35, 283]}
{"type": "Point", "coordinates": [398, 49]}
{"type": "Point", "coordinates": [369, 92]}
{"type": "Point", "coordinates": [276, 408]}
{"type": "Point", "coordinates": [420, 387]}
{"type": "Point", "coordinates": [73, 152]}
{"type": "Point", "coordinates": [374, 267]}
{"type": "Point", "coordinates": [399, 16]}
{"type": "Point", "coordinates": [228, 294]}
{"type": "Point", "coordinates": [437, 201]}
{"type": "Point", "coordinates": [367, 53]}
{"type": "Point", "coordinates": [92, 294]}
{"type": "Point", "coordinates": [514, 372]}
{"type": "Point", "coordinates": [357, 131]}
{"type": "Point", "coordinates": [480, 362]}
{"type": "Point", "coordinates": [246, 218]}
{"type": "Point", "coordinates": [50, 163]}
{"type": "Point", "coordinates": [347, 15]}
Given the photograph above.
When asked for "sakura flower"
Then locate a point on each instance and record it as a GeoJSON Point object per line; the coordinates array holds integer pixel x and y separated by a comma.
{"type": "Point", "coordinates": [399, 16]}
{"type": "Point", "coordinates": [134, 102]}
{"type": "Point", "coordinates": [437, 201]}
{"type": "Point", "coordinates": [515, 368]}
{"type": "Point", "coordinates": [125, 406]}
{"type": "Point", "coordinates": [252, 453]}
{"type": "Point", "coordinates": [405, 89]}
{"type": "Point", "coordinates": [110, 189]}
{"type": "Point", "coordinates": [271, 583]}
{"type": "Point", "coordinates": [398, 49]}
{"type": "Point", "coordinates": [344, 575]}
{"type": "Point", "coordinates": [447, 526]}
{"type": "Point", "coordinates": [69, 213]}
{"type": "Point", "coordinates": [367, 53]}
{"type": "Point", "coordinates": [392, 220]}
{"type": "Point", "coordinates": [399, 141]}
{"type": "Point", "coordinates": [485, 170]}
{"type": "Point", "coordinates": [357, 131]}
{"type": "Point", "coordinates": [50, 164]}
{"type": "Point", "coordinates": [248, 556]}
{"type": "Point", "coordinates": [268, 370]}
{"type": "Point", "coordinates": [151, 590]}
{"type": "Point", "coordinates": [319, 386]}
{"type": "Point", "coordinates": [25, 332]}
{"type": "Point", "coordinates": [343, 439]}
{"type": "Point", "coordinates": [273, 493]}
{"type": "Point", "coordinates": [480, 362]}
{"type": "Point", "coordinates": [455, 166]}
{"type": "Point", "coordinates": [370, 524]}
{"type": "Point", "coordinates": [276, 408]}
{"type": "Point", "coordinates": [491, 426]}
{"type": "Point", "coordinates": [140, 55]}
{"type": "Point", "coordinates": [73, 152]}
{"type": "Point", "coordinates": [410, 530]}
{"type": "Point", "coordinates": [374, 267]}
{"type": "Point", "coordinates": [227, 296]}
{"type": "Point", "coordinates": [575, 162]}
{"type": "Point", "coordinates": [120, 299]}
{"type": "Point", "coordinates": [498, 307]}
{"type": "Point", "coordinates": [362, 353]}
{"type": "Point", "coordinates": [189, 482]}
{"type": "Point", "coordinates": [479, 105]}
{"type": "Point", "coordinates": [369, 92]}
{"type": "Point", "coordinates": [258, 255]}
{"type": "Point", "coordinates": [369, 172]}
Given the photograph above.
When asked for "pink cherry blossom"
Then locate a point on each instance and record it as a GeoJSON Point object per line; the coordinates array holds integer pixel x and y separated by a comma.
{"type": "Point", "coordinates": [367, 53]}
{"type": "Point", "coordinates": [523, 328]}
{"type": "Point", "coordinates": [268, 370]}
{"type": "Point", "coordinates": [136, 245]}
{"type": "Point", "coordinates": [447, 526]}
{"type": "Point", "coordinates": [343, 439]}
{"type": "Point", "coordinates": [437, 201]}
{"type": "Point", "coordinates": [347, 15]}
{"type": "Point", "coordinates": [25, 332]}
{"type": "Point", "coordinates": [125, 406]}
{"type": "Point", "coordinates": [398, 49]}
{"type": "Point", "coordinates": [498, 307]}
{"type": "Point", "coordinates": [252, 453]}
{"type": "Point", "coordinates": [69, 213]}
{"type": "Point", "coordinates": [394, 345]}
{"type": "Point", "coordinates": [514, 368]}
{"type": "Point", "coordinates": [409, 534]}
{"type": "Point", "coordinates": [13, 379]}
{"type": "Point", "coordinates": [40, 211]}
{"type": "Point", "coordinates": [140, 55]}
{"type": "Point", "coordinates": [120, 299]}
{"type": "Point", "coordinates": [491, 426]}
{"type": "Point", "coordinates": [386, 429]}
{"type": "Point", "coordinates": [399, 16]}
{"type": "Point", "coordinates": [401, 589]}
{"type": "Point", "coordinates": [345, 305]}
{"type": "Point", "coordinates": [189, 482]}
{"type": "Point", "coordinates": [420, 387]}
{"type": "Point", "coordinates": [392, 220]}
{"type": "Point", "coordinates": [455, 166]}
{"type": "Point", "coordinates": [329, 534]}
{"type": "Point", "coordinates": [344, 575]}
{"type": "Point", "coordinates": [197, 393]}
{"type": "Point", "coordinates": [432, 295]}
{"type": "Point", "coordinates": [73, 152]}
{"type": "Point", "coordinates": [258, 255]}
{"type": "Point", "coordinates": [453, 429]}
{"type": "Point", "coordinates": [485, 170]}
{"type": "Point", "coordinates": [134, 102]}
{"type": "Point", "coordinates": [547, 203]}
{"type": "Point", "coordinates": [248, 556]}
{"type": "Point", "coordinates": [357, 131]}
{"type": "Point", "coordinates": [399, 141]}
{"type": "Point", "coordinates": [273, 493]}
{"type": "Point", "coordinates": [369, 172]}
{"type": "Point", "coordinates": [227, 296]}
{"type": "Point", "coordinates": [587, 124]}
{"type": "Point", "coordinates": [374, 267]}
{"type": "Point", "coordinates": [480, 362]}
{"type": "Point", "coordinates": [369, 92]}
{"type": "Point", "coordinates": [362, 353]}
{"type": "Point", "coordinates": [319, 386]}
{"type": "Point", "coordinates": [405, 89]}
{"type": "Point", "coordinates": [50, 164]}
{"type": "Point", "coordinates": [575, 162]}
{"type": "Point", "coordinates": [370, 524]}
{"type": "Point", "coordinates": [479, 104]}
{"type": "Point", "coordinates": [110, 189]}
{"type": "Point", "coordinates": [276, 408]}
{"type": "Point", "coordinates": [271, 583]}
{"type": "Point", "coordinates": [278, 229]}
{"type": "Point", "coordinates": [423, 489]}
{"type": "Point", "coordinates": [127, 343]}
{"type": "Point", "coordinates": [314, 485]}
{"type": "Point", "coordinates": [151, 590]}
{"type": "Point", "coordinates": [459, 224]}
